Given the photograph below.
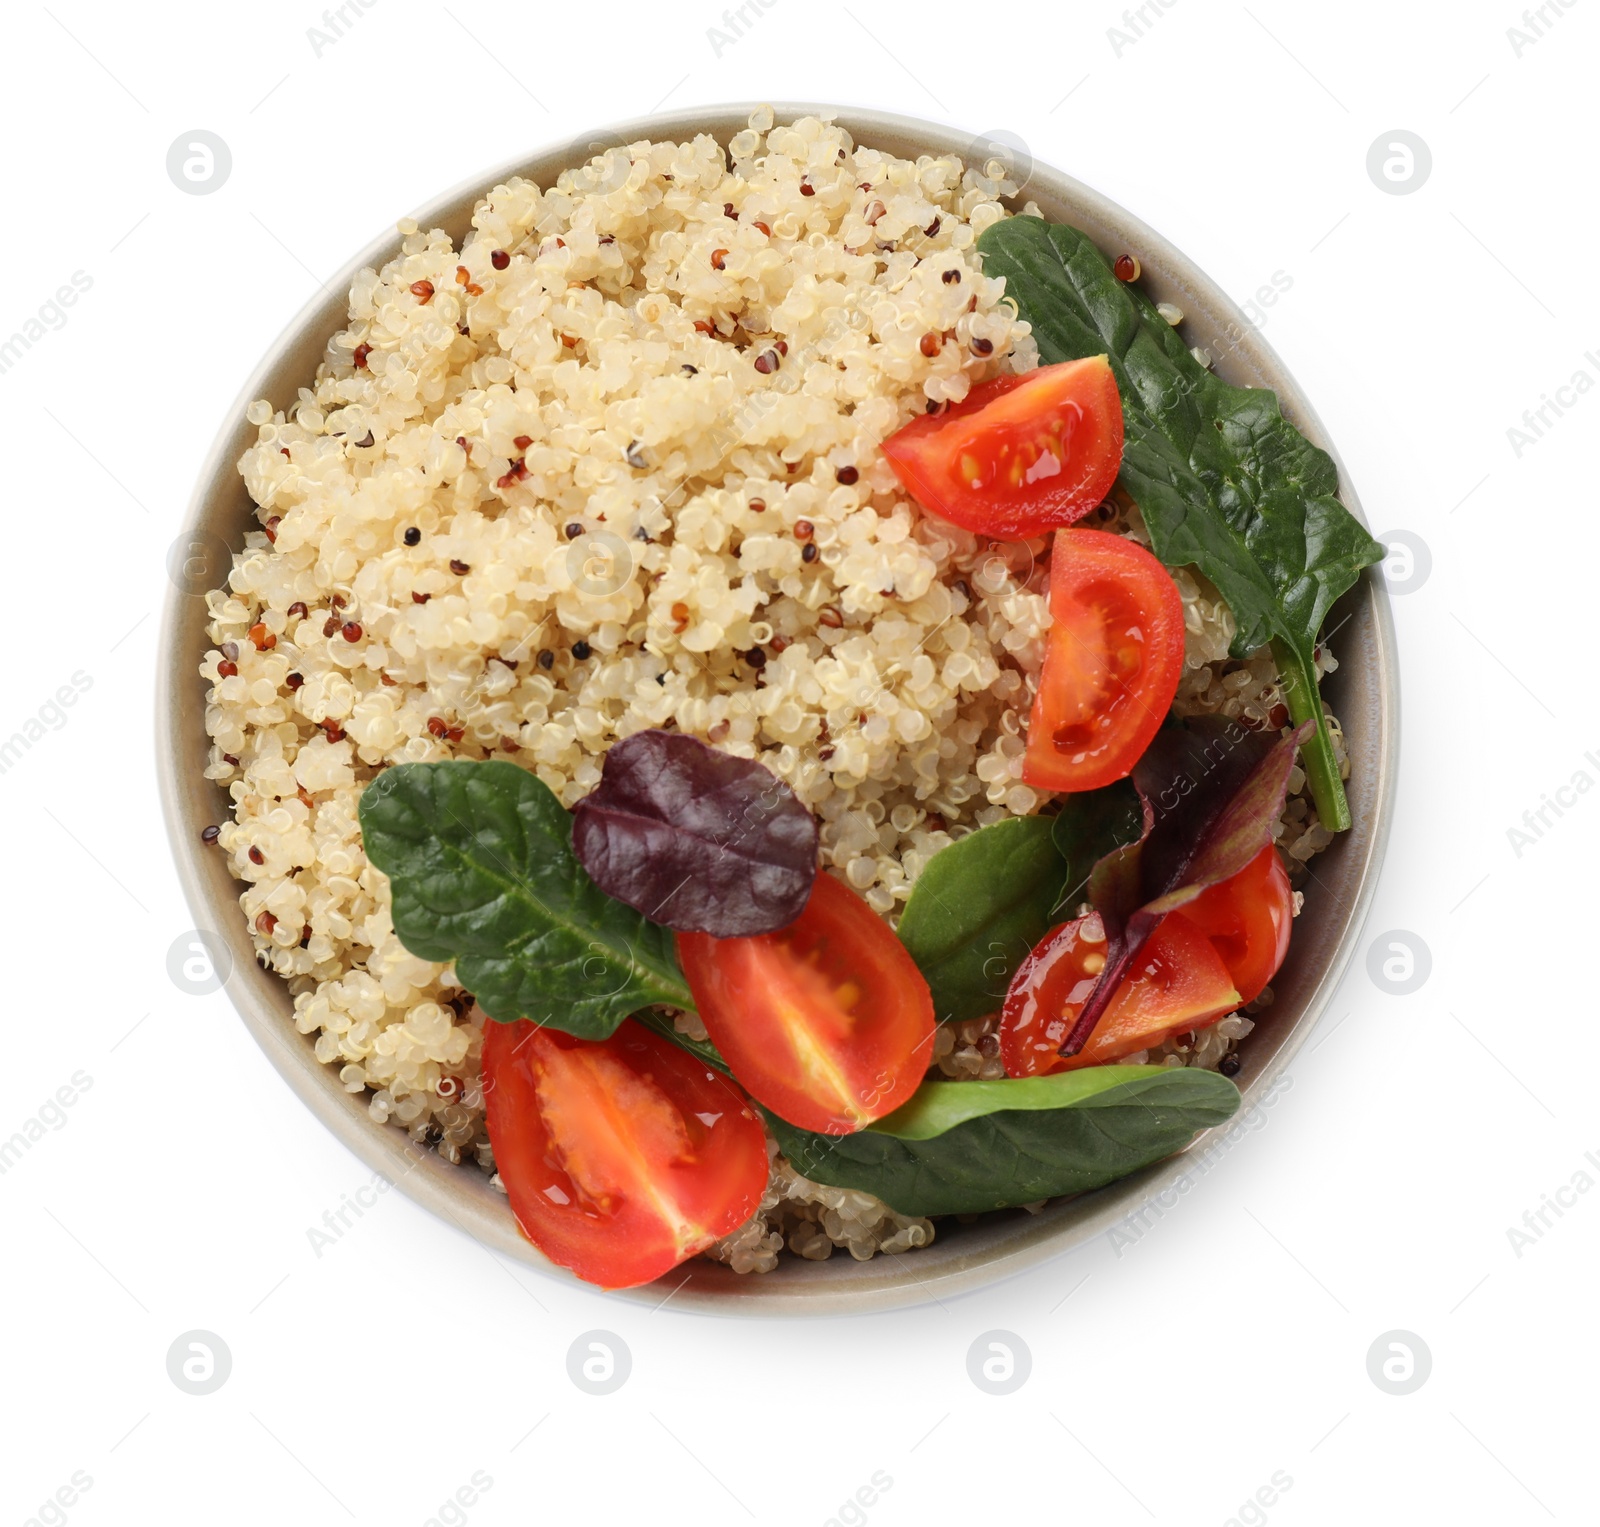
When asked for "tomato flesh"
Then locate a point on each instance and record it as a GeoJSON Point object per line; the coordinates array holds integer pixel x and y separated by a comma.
{"type": "Point", "coordinates": [622, 1157]}
{"type": "Point", "coordinates": [828, 1022]}
{"type": "Point", "coordinates": [1111, 666]}
{"type": "Point", "coordinates": [1248, 919]}
{"type": "Point", "coordinates": [1178, 982]}
{"type": "Point", "coordinates": [1019, 455]}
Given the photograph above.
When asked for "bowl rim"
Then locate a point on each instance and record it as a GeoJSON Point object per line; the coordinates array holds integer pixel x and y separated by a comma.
{"type": "Point", "coordinates": [463, 1199]}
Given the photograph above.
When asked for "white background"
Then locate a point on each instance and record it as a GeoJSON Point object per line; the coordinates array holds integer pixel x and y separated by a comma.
{"type": "Point", "coordinates": [1169, 1383]}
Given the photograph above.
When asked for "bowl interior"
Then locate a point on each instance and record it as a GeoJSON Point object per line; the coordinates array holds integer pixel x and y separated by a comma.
{"type": "Point", "coordinates": [1362, 693]}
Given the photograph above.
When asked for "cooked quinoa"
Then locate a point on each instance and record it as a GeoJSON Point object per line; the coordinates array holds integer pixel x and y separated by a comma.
{"type": "Point", "coordinates": [614, 464]}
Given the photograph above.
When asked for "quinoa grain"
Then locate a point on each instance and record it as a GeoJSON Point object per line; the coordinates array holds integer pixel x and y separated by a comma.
{"type": "Point", "coordinates": [878, 709]}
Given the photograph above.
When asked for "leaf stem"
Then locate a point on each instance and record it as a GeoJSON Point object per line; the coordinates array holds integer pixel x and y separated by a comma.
{"type": "Point", "coordinates": [1317, 757]}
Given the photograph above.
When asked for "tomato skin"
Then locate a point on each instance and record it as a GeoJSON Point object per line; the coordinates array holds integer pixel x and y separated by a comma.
{"type": "Point", "coordinates": [971, 464]}
{"type": "Point", "coordinates": [1248, 919]}
{"type": "Point", "coordinates": [1112, 664]}
{"type": "Point", "coordinates": [622, 1157]}
{"type": "Point", "coordinates": [1177, 983]}
{"type": "Point", "coordinates": [828, 1022]}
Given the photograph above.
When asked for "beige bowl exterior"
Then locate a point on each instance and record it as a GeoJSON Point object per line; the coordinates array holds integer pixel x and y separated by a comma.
{"type": "Point", "coordinates": [1364, 693]}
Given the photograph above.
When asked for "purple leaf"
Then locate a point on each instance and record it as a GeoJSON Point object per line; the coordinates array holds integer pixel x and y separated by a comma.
{"type": "Point", "coordinates": [1211, 790]}
{"type": "Point", "coordinates": [696, 839]}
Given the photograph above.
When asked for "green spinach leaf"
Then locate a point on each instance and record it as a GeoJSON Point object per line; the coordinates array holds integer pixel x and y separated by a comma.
{"type": "Point", "coordinates": [966, 1147]}
{"type": "Point", "coordinates": [701, 1049]}
{"type": "Point", "coordinates": [977, 909]}
{"type": "Point", "coordinates": [1090, 826]}
{"type": "Point", "coordinates": [1225, 482]}
{"type": "Point", "coordinates": [481, 871]}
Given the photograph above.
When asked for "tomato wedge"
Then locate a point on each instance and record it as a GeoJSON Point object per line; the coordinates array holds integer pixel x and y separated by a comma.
{"type": "Point", "coordinates": [1112, 664]}
{"type": "Point", "coordinates": [1248, 918]}
{"type": "Point", "coordinates": [828, 1021]}
{"type": "Point", "coordinates": [1178, 982]}
{"type": "Point", "coordinates": [1019, 455]}
{"type": "Point", "coordinates": [621, 1157]}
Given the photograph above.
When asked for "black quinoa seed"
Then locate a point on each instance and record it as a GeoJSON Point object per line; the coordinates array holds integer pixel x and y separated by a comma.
{"type": "Point", "coordinates": [847, 475]}
{"type": "Point", "coordinates": [210, 834]}
{"type": "Point", "coordinates": [756, 658]}
{"type": "Point", "coordinates": [582, 651]}
{"type": "Point", "coordinates": [547, 660]}
{"type": "Point", "coordinates": [413, 536]}
{"type": "Point", "coordinates": [1229, 1065]}
{"type": "Point", "coordinates": [459, 568]}
{"type": "Point", "coordinates": [808, 552]}
{"type": "Point", "coordinates": [951, 276]}
{"type": "Point", "coordinates": [574, 530]}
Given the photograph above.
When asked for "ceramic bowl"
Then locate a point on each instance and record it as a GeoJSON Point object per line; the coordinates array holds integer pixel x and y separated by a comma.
{"type": "Point", "coordinates": [1363, 692]}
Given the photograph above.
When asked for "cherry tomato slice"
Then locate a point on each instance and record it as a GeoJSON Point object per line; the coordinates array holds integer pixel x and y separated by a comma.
{"type": "Point", "coordinates": [1248, 918]}
{"type": "Point", "coordinates": [1018, 455]}
{"type": "Point", "coordinates": [1111, 666]}
{"type": "Point", "coordinates": [1178, 982]}
{"type": "Point", "coordinates": [621, 1157]}
{"type": "Point", "coordinates": [828, 1021]}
